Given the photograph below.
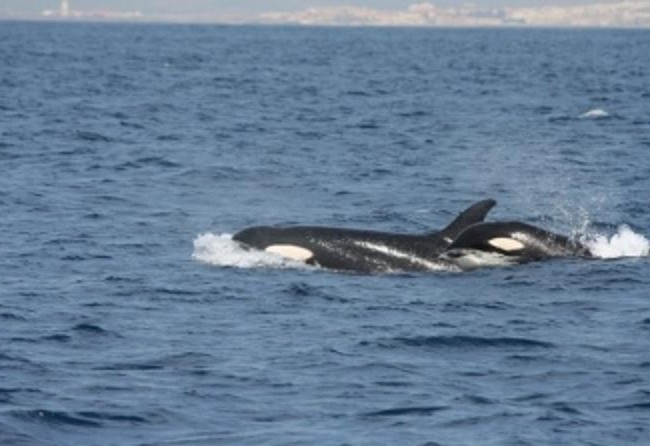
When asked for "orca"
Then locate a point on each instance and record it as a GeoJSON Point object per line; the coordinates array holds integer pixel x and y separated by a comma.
{"type": "Point", "coordinates": [510, 242]}
{"type": "Point", "coordinates": [362, 250]}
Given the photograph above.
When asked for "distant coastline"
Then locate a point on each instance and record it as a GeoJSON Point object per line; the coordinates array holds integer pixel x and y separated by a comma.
{"type": "Point", "coordinates": [603, 14]}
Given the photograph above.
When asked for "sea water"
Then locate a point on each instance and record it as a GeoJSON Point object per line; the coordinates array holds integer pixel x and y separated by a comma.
{"type": "Point", "coordinates": [128, 153]}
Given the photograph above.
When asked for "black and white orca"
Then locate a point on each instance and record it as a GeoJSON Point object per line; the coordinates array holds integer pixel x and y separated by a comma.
{"type": "Point", "coordinates": [362, 250]}
{"type": "Point", "coordinates": [503, 243]}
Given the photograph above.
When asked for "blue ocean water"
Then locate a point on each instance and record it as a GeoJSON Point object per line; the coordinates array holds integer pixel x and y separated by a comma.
{"type": "Point", "coordinates": [129, 152]}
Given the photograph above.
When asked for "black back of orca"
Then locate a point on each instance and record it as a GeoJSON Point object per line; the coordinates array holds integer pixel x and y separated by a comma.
{"type": "Point", "coordinates": [362, 250]}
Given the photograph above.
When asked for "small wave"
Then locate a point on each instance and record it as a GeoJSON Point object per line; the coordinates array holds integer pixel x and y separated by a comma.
{"type": "Point", "coordinates": [189, 361]}
{"type": "Point", "coordinates": [12, 317]}
{"type": "Point", "coordinates": [78, 419]}
{"type": "Point", "coordinates": [113, 417]}
{"type": "Point", "coordinates": [222, 250]}
{"type": "Point", "coordinates": [52, 417]}
{"type": "Point", "coordinates": [625, 243]}
{"type": "Point", "coordinates": [156, 161]}
{"type": "Point", "coordinates": [595, 113]}
{"type": "Point", "coordinates": [59, 337]}
{"type": "Point", "coordinates": [470, 342]}
{"type": "Point", "coordinates": [90, 329]}
{"type": "Point", "coordinates": [93, 136]}
{"type": "Point", "coordinates": [400, 411]}
{"type": "Point", "coordinates": [638, 406]}
{"type": "Point", "coordinates": [151, 162]}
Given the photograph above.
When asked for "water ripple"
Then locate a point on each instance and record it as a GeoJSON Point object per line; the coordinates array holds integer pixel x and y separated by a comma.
{"type": "Point", "coordinates": [466, 342]}
{"type": "Point", "coordinates": [55, 418]}
{"type": "Point", "coordinates": [407, 411]}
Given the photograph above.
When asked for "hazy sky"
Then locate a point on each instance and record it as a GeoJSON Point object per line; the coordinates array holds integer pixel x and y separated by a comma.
{"type": "Point", "coordinates": [252, 7]}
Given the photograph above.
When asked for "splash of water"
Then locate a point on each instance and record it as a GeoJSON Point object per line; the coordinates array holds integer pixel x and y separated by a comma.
{"type": "Point", "coordinates": [625, 243]}
{"type": "Point", "coordinates": [222, 250]}
{"type": "Point", "coordinates": [595, 114]}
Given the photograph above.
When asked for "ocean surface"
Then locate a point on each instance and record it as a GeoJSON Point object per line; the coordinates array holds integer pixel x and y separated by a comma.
{"type": "Point", "coordinates": [130, 153]}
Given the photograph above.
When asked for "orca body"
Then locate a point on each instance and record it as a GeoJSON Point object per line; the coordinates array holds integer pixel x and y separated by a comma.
{"type": "Point", "coordinates": [361, 250]}
{"type": "Point", "coordinates": [504, 243]}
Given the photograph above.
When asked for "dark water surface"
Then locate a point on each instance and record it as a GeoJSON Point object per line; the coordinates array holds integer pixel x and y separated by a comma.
{"type": "Point", "coordinates": [128, 318]}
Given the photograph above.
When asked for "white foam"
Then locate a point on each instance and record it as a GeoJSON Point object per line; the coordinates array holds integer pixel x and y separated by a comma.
{"type": "Point", "coordinates": [625, 243]}
{"type": "Point", "coordinates": [222, 250]}
{"type": "Point", "coordinates": [595, 113]}
{"type": "Point", "coordinates": [468, 259]}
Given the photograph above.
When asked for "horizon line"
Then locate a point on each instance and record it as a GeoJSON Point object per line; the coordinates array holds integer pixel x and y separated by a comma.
{"type": "Point", "coordinates": [619, 14]}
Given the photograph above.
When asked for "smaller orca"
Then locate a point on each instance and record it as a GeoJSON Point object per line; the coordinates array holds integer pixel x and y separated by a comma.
{"type": "Point", "coordinates": [505, 243]}
{"type": "Point", "coordinates": [362, 250]}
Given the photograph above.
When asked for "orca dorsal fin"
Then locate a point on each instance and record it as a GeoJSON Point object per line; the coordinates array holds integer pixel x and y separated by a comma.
{"type": "Point", "coordinates": [474, 214]}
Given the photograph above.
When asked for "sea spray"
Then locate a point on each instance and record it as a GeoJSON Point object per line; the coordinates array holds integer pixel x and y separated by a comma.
{"type": "Point", "coordinates": [625, 243]}
{"type": "Point", "coordinates": [222, 250]}
{"type": "Point", "coordinates": [596, 113]}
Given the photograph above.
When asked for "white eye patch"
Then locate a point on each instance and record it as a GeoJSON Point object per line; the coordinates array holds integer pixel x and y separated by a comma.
{"type": "Point", "coordinates": [506, 244]}
{"type": "Point", "coordinates": [291, 252]}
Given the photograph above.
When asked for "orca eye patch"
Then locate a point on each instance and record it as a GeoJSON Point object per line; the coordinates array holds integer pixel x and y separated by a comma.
{"type": "Point", "coordinates": [506, 244]}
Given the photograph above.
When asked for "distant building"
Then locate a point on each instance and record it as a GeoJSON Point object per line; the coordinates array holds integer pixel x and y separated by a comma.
{"type": "Point", "coordinates": [65, 12]}
{"type": "Point", "coordinates": [65, 8]}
